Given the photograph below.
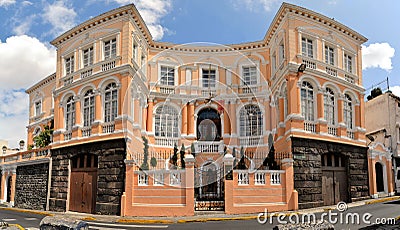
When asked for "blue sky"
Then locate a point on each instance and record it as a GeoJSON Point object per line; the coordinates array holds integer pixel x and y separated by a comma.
{"type": "Point", "coordinates": [27, 27]}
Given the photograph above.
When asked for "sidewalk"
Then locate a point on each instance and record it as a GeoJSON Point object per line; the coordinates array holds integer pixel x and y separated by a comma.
{"type": "Point", "coordinates": [199, 216]}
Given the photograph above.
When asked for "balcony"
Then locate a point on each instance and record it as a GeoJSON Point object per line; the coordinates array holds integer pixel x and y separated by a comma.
{"type": "Point", "coordinates": [108, 127]}
{"type": "Point", "coordinates": [29, 155]}
{"type": "Point", "coordinates": [208, 92]}
{"type": "Point", "coordinates": [209, 147]}
{"type": "Point", "coordinates": [350, 134]}
{"type": "Point", "coordinates": [86, 131]}
{"type": "Point", "coordinates": [107, 65]}
{"type": "Point", "coordinates": [67, 135]}
{"type": "Point", "coordinates": [248, 89]}
{"type": "Point", "coordinates": [332, 131]}
{"type": "Point", "coordinates": [86, 73]}
{"type": "Point", "coordinates": [251, 140]}
{"type": "Point", "coordinates": [310, 127]}
{"type": "Point", "coordinates": [334, 71]}
{"type": "Point", "coordinates": [166, 141]}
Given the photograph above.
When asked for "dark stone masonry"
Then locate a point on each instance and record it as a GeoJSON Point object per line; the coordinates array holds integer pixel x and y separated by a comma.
{"type": "Point", "coordinates": [308, 170]}
{"type": "Point", "coordinates": [110, 175]}
{"type": "Point", "coordinates": [31, 186]}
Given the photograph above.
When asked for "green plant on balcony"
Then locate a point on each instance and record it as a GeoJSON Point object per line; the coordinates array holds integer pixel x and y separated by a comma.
{"type": "Point", "coordinates": [44, 138]}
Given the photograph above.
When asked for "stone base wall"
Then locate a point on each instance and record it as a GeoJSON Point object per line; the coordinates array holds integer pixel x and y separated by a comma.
{"type": "Point", "coordinates": [110, 175]}
{"type": "Point", "coordinates": [308, 172]}
{"type": "Point", "coordinates": [31, 186]}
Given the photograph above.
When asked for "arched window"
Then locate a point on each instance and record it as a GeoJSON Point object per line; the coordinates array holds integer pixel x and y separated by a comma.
{"type": "Point", "coordinates": [88, 108]}
{"type": "Point", "coordinates": [348, 111]}
{"type": "Point", "coordinates": [110, 102]}
{"type": "Point", "coordinates": [307, 101]}
{"type": "Point", "coordinates": [166, 122]}
{"type": "Point", "coordinates": [251, 121]}
{"type": "Point", "coordinates": [70, 113]}
{"type": "Point", "coordinates": [329, 106]}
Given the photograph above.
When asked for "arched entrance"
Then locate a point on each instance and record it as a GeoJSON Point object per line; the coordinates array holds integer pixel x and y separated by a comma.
{"type": "Point", "coordinates": [9, 186]}
{"type": "Point", "coordinates": [83, 183]}
{"type": "Point", "coordinates": [379, 180]}
{"type": "Point", "coordinates": [208, 125]}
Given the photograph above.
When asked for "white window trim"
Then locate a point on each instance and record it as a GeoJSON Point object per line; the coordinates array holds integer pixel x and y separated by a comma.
{"type": "Point", "coordinates": [167, 64]}
{"type": "Point", "coordinates": [81, 55]}
{"type": "Point", "coordinates": [335, 53]}
{"type": "Point", "coordinates": [353, 111]}
{"type": "Point", "coordinates": [82, 101]}
{"type": "Point", "coordinates": [281, 59]}
{"type": "Point", "coordinates": [335, 106]}
{"type": "Point", "coordinates": [64, 60]}
{"type": "Point", "coordinates": [34, 107]}
{"type": "Point", "coordinates": [352, 61]}
{"type": "Point", "coordinates": [103, 99]}
{"type": "Point", "coordinates": [314, 44]}
{"type": "Point", "coordinates": [117, 37]}
{"type": "Point", "coordinates": [315, 95]}
{"type": "Point", "coordinates": [213, 67]}
{"type": "Point", "coordinates": [179, 116]}
{"type": "Point", "coordinates": [244, 65]}
{"type": "Point", "coordinates": [263, 118]}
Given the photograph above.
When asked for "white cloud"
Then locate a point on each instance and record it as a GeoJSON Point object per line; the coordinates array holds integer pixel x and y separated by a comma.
{"type": "Point", "coordinates": [152, 11]}
{"type": "Point", "coordinates": [395, 90]}
{"type": "Point", "coordinates": [27, 3]}
{"type": "Point", "coordinates": [24, 61]}
{"type": "Point", "coordinates": [254, 5]}
{"type": "Point", "coordinates": [378, 55]}
{"type": "Point", "coordinates": [6, 2]}
{"type": "Point", "coordinates": [60, 16]}
{"type": "Point", "coordinates": [24, 25]}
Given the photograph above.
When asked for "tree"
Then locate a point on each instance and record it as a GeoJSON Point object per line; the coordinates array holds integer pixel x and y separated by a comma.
{"type": "Point", "coordinates": [44, 138]}
{"type": "Point", "coordinates": [192, 150]}
{"type": "Point", "coordinates": [145, 164]}
{"type": "Point", "coordinates": [182, 153]}
{"type": "Point", "coordinates": [174, 158]}
{"type": "Point", "coordinates": [374, 93]}
{"type": "Point", "coordinates": [242, 163]}
{"type": "Point", "coordinates": [153, 162]}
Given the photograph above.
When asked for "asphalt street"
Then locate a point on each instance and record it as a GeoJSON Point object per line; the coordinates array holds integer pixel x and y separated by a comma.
{"type": "Point", "coordinates": [362, 217]}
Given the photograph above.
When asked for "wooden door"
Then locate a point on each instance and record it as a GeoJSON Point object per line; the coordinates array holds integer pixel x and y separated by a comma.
{"type": "Point", "coordinates": [334, 179]}
{"type": "Point", "coordinates": [83, 184]}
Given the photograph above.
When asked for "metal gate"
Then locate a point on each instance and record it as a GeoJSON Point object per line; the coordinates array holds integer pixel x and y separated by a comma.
{"type": "Point", "coordinates": [209, 188]}
{"type": "Point", "coordinates": [83, 183]}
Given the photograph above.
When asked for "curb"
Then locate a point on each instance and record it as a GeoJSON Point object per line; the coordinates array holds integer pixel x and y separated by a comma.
{"type": "Point", "coordinates": [132, 221]}
{"type": "Point", "coordinates": [383, 200]}
{"type": "Point", "coordinates": [27, 211]}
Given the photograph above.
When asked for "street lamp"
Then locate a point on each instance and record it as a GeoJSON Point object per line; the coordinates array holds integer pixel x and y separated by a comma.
{"type": "Point", "coordinates": [301, 68]}
{"type": "Point", "coordinates": [4, 149]}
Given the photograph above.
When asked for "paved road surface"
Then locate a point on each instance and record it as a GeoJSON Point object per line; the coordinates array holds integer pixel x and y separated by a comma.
{"type": "Point", "coordinates": [381, 210]}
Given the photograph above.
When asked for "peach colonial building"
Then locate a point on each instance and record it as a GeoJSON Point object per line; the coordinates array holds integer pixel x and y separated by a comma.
{"type": "Point", "coordinates": [296, 94]}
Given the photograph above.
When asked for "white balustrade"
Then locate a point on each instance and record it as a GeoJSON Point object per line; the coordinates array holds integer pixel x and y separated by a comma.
{"type": "Point", "coordinates": [331, 71]}
{"type": "Point", "coordinates": [175, 177]}
{"type": "Point", "coordinates": [310, 64]}
{"type": "Point", "coordinates": [143, 179]}
{"type": "Point", "coordinates": [243, 177]}
{"type": "Point", "coordinates": [275, 177]}
{"type": "Point", "coordinates": [209, 146]}
{"type": "Point", "coordinates": [166, 141]}
{"type": "Point", "coordinates": [250, 141]}
{"type": "Point", "coordinates": [350, 134]}
{"type": "Point", "coordinates": [332, 131]}
{"type": "Point", "coordinates": [259, 177]}
{"type": "Point", "coordinates": [109, 127]}
{"type": "Point", "coordinates": [86, 73]}
{"type": "Point", "coordinates": [67, 135]}
{"type": "Point", "coordinates": [108, 65]}
{"type": "Point", "coordinates": [86, 131]}
{"type": "Point", "coordinates": [310, 127]}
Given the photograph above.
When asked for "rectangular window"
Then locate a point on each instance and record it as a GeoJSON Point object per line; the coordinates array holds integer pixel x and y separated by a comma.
{"type": "Point", "coordinates": [307, 47]}
{"type": "Point", "coordinates": [209, 78]}
{"type": "Point", "coordinates": [348, 63]}
{"type": "Point", "coordinates": [281, 52]}
{"type": "Point", "coordinates": [38, 108]}
{"type": "Point", "coordinates": [329, 55]}
{"type": "Point", "coordinates": [69, 65]}
{"type": "Point", "coordinates": [250, 75]}
{"type": "Point", "coordinates": [273, 62]}
{"type": "Point", "coordinates": [110, 49]}
{"type": "Point", "coordinates": [135, 51]}
{"type": "Point", "coordinates": [167, 75]}
{"type": "Point", "coordinates": [88, 57]}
